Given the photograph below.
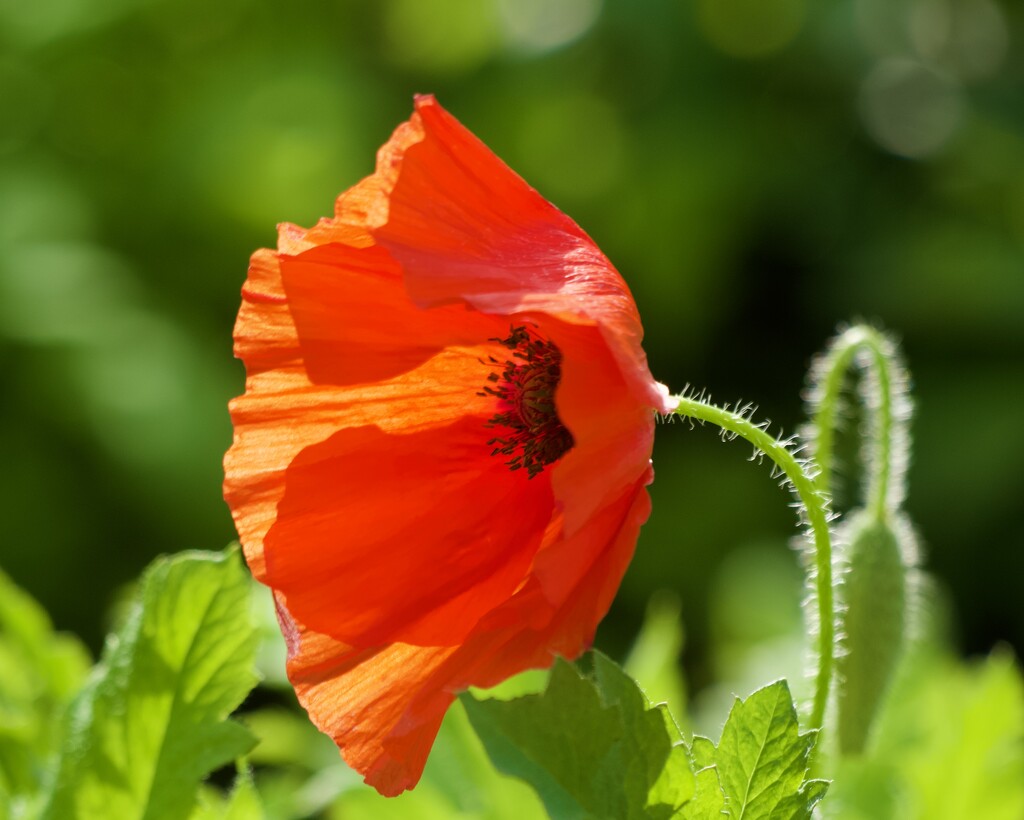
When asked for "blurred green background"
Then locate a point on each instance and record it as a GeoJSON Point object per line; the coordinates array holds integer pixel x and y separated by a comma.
{"type": "Point", "coordinates": [759, 170]}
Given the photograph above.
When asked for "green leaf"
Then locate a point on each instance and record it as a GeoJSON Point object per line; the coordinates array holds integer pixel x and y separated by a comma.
{"type": "Point", "coordinates": [798, 806]}
{"type": "Point", "coordinates": [592, 748]}
{"type": "Point", "coordinates": [287, 737]}
{"type": "Point", "coordinates": [762, 758]}
{"type": "Point", "coordinates": [709, 801]}
{"type": "Point", "coordinates": [949, 745]}
{"type": "Point", "coordinates": [668, 779]}
{"type": "Point", "coordinates": [152, 722]}
{"type": "Point", "coordinates": [971, 763]}
{"type": "Point", "coordinates": [242, 804]}
{"type": "Point", "coordinates": [424, 802]}
{"type": "Point", "coordinates": [675, 784]}
{"type": "Point", "coordinates": [459, 782]}
{"type": "Point", "coordinates": [702, 750]}
{"type": "Point", "coordinates": [40, 671]}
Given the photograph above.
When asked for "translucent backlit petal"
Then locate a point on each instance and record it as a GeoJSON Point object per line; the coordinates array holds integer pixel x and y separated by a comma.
{"type": "Point", "coordinates": [410, 538]}
{"type": "Point", "coordinates": [389, 397]}
{"type": "Point", "coordinates": [385, 732]}
{"type": "Point", "coordinates": [464, 226]}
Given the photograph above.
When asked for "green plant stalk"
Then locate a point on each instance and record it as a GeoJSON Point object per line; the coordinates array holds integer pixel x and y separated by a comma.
{"type": "Point", "coordinates": [815, 505]}
{"type": "Point", "coordinates": [859, 339]}
{"type": "Point", "coordinates": [877, 540]}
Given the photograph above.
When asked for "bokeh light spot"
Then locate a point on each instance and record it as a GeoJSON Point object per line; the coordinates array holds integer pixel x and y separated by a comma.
{"type": "Point", "coordinates": [277, 149]}
{"type": "Point", "coordinates": [909, 109]}
{"type": "Point", "coordinates": [968, 37]}
{"type": "Point", "coordinates": [882, 27]}
{"type": "Point", "coordinates": [137, 368]}
{"type": "Point", "coordinates": [61, 293]}
{"type": "Point", "coordinates": [535, 26]}
{"type": "Point", "coordinates": [750, 28]}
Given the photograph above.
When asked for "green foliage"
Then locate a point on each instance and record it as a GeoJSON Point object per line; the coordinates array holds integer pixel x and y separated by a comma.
{"type": "Point", "coordinates": [972, 763]}
{"type": "Point", "coordinates": [40, 671]}
{"type": "Point", "coordinates": [242, 804]}
{"type": "Point", "coordinates": [643, 744]}
{"type": "Point", "coordinates": [873, 593]}
{"type": "Point", "coordinates": [592, 747]}
{"type": "Point", "coordinates": [151, 723]}
{"type": "Point", "coordinates": [709, 801]}
{"type": "Point", "coordinates": [950, 745]}
{"type": "Point", "coordinates": [653, 661]}
{"type": "Point", "coordinates": [762, 759]}
{"type": "Point", "coordinates": [458, 782]}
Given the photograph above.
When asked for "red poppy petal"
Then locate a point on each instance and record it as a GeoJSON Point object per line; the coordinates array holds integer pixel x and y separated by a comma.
{"type": "Point", "coordinates": [282, 414]}
{"type": "Point", "coordinates": [562, 567]}
{"type": "Point", "coordinates": [436, 533]}
{"type": "Point", "coordinates": [464, 226]}
{"type": "Point", "coordinates": [307, 331]}
{"type": "Point", "coordinates": [357, 323]}
{"type": "Point", "coordinates": [613, 428]}
{"type": "Point", "coordinates": [383, 706]}
{"type": "Point", "coordinates": [357, 207]}
{"type": "Point", "coordinates": [408, 562]}
{"type": "Point", "coordinates": [361, 699]}
{"type": "Point", "coordinates": [265, 335]}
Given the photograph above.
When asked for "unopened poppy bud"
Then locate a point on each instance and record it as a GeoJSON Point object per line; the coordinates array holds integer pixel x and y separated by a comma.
{"type": "Point", "coordinates": [873, 620]}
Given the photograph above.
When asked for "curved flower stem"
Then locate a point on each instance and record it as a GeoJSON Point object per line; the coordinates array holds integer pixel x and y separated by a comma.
{"type": "Point", "coordinates": [873, 352]}
{"type": "Point", "coordinates": [815, 507]}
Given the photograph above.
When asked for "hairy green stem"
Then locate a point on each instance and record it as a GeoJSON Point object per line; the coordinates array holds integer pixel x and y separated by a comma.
{"type": "Point", "coordinates": [873, 352]}
{"type": "Point", "coordinates": [815, 506]}
{"type": "Point", "coordinates": [878, 543]}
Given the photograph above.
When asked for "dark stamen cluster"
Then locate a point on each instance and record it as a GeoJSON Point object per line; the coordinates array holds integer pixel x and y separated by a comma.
{"type": "Point", "coordinates": [534, 436]}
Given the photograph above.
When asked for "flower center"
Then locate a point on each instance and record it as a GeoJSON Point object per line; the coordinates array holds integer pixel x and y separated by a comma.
{"type": "Point", "coordinates": [533, 435]}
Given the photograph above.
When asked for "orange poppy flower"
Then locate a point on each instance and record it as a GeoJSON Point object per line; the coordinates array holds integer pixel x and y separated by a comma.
{"type": "Point", "coordinates": [440, 458]}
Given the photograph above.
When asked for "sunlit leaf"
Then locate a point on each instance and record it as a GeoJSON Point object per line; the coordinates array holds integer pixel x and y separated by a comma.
{"type": "Point", "coordinates": [459, 782]}
{"type": "Point", "coordinates": [152, 722]}
{"type": "Point", "coordinates": [950, 745]}
{"type": "Point", "coordinates": [702, 751]}
{"type": "Point", "coordinates": [243, 803]}
{"type": "Point", "coordinates": [592, 748]}
{"type": "Point", "coordinates": [709, 801]}
{"type": "Point", "coordinates": [40, 671]}
{"type": "Point", "coordinates": [969, 758]}
{"type": "Point", "coordinates": [762, 758]}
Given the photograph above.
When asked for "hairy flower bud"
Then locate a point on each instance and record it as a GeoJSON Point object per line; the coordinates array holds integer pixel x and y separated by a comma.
{"type": "Point", "coordinates": [873, 624]}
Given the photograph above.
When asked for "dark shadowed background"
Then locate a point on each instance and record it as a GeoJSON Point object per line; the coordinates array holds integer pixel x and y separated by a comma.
{"type": "Point", "coordinates": [759, 171]}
